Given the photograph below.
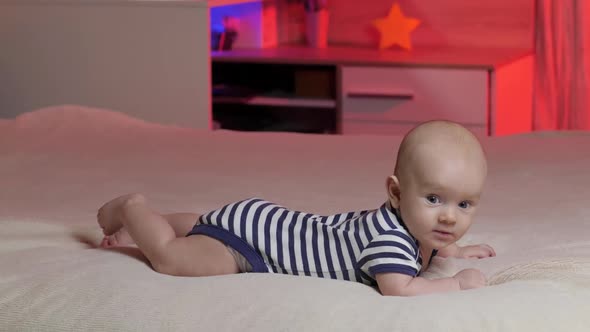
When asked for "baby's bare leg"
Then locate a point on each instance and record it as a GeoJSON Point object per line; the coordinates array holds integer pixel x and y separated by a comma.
{"type": "Point", "coordinates": [182, 223]}
{"type": "Point", "coordinates": [196, 255]}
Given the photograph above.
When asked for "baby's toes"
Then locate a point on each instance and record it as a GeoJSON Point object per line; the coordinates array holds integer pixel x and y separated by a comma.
{"type": "Point", "coordinates": [105, 242]}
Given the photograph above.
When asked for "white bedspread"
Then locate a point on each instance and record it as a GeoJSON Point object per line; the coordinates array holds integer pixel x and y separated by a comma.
{"type": "Point", "coordinates": [58, 165]}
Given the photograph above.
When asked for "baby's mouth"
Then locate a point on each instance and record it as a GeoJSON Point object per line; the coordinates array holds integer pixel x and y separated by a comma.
{"type": "Point", "coordinates": [443, 234]}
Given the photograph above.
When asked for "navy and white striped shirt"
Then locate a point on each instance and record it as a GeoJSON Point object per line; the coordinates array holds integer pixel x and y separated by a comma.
{"type": "Point", "coordinates": [348, 246]}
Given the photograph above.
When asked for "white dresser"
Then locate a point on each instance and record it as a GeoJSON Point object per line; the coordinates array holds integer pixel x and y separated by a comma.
{"type": "Point", "coordinates": [392, 99]}
{"type": "Point", "coordinates": [389, 92]}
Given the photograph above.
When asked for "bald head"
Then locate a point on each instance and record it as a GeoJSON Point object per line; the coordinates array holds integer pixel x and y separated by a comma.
{"type": "Point", "coordinates": [433, 141]}
{"type": "Point", "coordinates": [438, 181]}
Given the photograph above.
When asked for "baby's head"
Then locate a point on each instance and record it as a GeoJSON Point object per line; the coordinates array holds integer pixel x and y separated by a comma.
{"type": "Point", "coordinates": [438, 179]}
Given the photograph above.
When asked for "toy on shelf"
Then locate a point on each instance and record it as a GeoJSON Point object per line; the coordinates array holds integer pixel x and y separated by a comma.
{"type": "Point", "coordinates": [395, 29]}
{"type": "Point", "coordinates": [257, 24]}
{"type": "Point", "coordinates": [223, 35]}
{"type": "Point", "coordinates": [316, 22]}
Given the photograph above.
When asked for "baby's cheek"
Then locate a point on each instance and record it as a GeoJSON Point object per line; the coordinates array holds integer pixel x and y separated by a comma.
{"type": "Point", "coordinates": [464, 227]}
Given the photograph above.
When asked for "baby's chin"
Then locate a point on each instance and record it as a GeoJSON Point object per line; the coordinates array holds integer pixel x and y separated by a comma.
{"type": "Point", "coordinates": [435, 244]}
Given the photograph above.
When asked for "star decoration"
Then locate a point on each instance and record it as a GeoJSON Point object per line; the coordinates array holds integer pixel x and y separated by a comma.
{"type": "Point", "coordinates": [396, 28]}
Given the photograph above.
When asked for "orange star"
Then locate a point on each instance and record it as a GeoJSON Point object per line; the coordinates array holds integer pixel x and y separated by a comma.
{"type": "Point", "coordinates": [396, 28]}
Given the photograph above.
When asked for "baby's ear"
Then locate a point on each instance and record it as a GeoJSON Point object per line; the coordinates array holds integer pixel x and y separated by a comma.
{"type": "Point", "coordinates": [393, 191]}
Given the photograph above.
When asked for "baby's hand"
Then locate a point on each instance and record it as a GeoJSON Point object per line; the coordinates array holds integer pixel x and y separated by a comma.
{"type": "Point", "coordinates": [476, 251]}
{"type": "Point", "coordinates": [470, 278]}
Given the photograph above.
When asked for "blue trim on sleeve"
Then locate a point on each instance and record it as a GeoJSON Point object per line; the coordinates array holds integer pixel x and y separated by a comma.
{"type": "Point", "coordinates": [233, 241]}
{"type": "Point", "coordinates": [383, 254]}
{"type": "Point", "coordinates": [393, 268]}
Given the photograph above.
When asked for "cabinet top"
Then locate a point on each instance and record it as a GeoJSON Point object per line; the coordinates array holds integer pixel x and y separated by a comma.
{"type": "Point", "coordinates": [341, 55]}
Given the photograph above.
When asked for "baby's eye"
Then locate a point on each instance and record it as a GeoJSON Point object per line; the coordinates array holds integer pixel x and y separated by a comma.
{"type": "Point", "coordinates": [464, 205]}
{"type": "Point", "coordinates": [433, 199]}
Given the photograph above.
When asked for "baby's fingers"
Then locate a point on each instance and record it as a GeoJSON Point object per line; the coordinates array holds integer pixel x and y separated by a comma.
{"type": "Point", "coordinates": [479, 251]}
{"type": "Point", "coordinates": [490, 250]}
{"type": "Point", "coordinates": [483, 251]}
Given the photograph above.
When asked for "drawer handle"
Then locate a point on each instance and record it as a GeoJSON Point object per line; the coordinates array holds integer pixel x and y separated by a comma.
{"type": "Point", "coordinates": [405, 95]}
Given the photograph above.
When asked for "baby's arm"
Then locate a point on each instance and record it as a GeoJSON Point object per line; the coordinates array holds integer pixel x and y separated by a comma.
{"type": "Point", "coordinates": [397, 284]}
{"type": "Point", "coordinates": [472, 251]}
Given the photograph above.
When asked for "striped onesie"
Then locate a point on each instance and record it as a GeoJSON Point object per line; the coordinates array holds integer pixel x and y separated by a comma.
{"type": "Point", "coordinates": [347, 246]}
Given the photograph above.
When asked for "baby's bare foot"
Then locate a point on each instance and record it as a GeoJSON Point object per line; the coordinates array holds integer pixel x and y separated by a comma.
{"type": "Point", "coordinates": [109, 215]}
{"type": "Point", "coordinates": [119, 238]}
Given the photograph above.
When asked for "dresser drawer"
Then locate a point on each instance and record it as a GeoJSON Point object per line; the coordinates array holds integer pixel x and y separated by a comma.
{"type": "Point", "coordinates": [360, 127]}
{"type": "Point", "coordinates": [391, 128]}
{"type": "Point", "coordinates": [414, 95]}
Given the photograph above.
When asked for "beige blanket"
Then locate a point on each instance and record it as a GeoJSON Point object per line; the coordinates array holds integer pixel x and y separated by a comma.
{"type": "Point", "coordinates": [58, 165]}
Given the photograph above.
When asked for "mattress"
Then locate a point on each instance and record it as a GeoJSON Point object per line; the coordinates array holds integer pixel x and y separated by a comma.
{"type": "Point", "coordinates": [58, 165]}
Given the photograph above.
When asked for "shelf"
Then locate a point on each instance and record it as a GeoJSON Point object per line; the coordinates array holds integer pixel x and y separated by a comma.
{"type": "Point", "coordinates": [277, 101]}
{"type": "Point", "coordinates": [444, 57]}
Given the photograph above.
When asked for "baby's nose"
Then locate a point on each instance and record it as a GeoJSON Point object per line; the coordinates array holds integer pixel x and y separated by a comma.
{"type": "Point", "coordinates": [447, 216]}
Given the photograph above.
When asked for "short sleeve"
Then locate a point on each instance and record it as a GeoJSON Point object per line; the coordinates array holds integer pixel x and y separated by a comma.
{"type": "Point", "coordinates": [393, 251]}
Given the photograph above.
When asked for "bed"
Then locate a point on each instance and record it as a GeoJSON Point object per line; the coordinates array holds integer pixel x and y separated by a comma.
{"type": "Point", "coordinates": [59, 164]}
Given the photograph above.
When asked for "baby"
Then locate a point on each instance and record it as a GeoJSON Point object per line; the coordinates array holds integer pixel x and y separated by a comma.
{"type": "Point", "coordinates": [432, 198]}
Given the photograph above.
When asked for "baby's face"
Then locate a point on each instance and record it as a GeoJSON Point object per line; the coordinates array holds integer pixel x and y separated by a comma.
{"type": "Point", "coordinates": [439, 197]}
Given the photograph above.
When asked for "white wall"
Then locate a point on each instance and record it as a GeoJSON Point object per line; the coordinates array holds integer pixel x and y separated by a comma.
{"type": "Point", "coordinates": [148, 59]}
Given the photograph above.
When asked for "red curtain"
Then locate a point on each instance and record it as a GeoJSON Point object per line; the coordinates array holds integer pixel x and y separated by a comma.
{"type": "Point", "coordinates": [561, 96]}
